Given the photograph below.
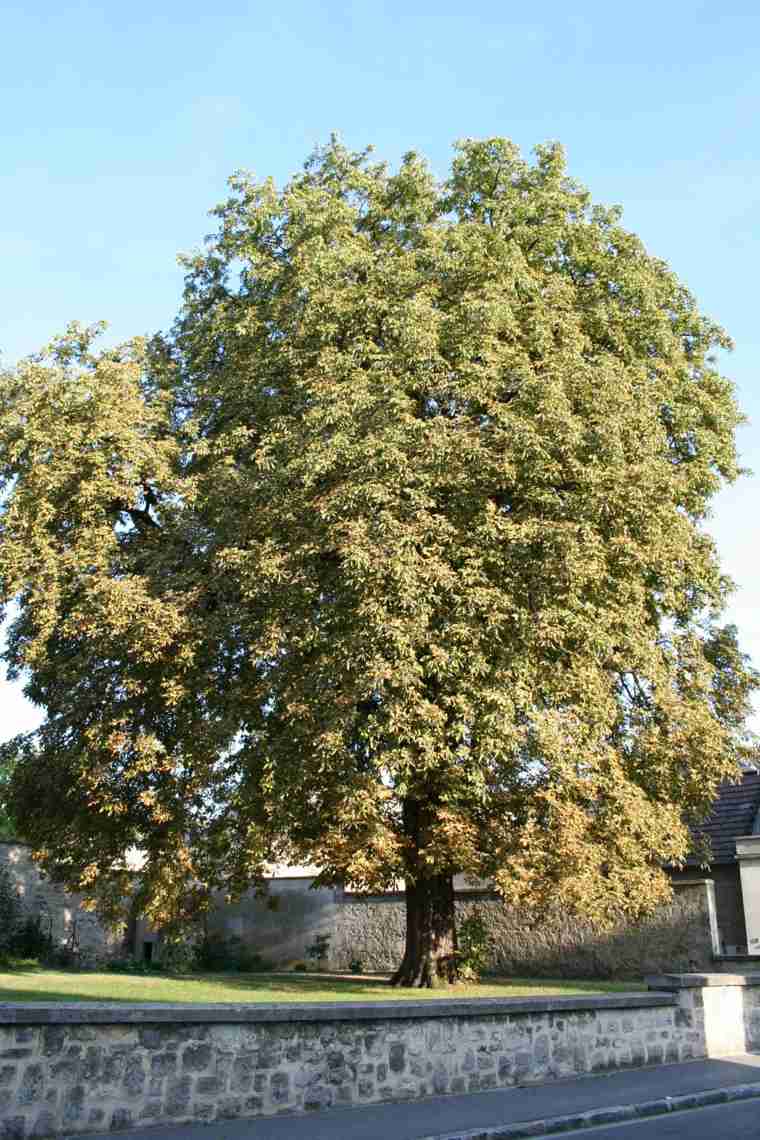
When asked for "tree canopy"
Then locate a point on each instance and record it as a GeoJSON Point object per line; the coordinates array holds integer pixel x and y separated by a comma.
{"type": "Point", "coordinates": [390, 556]}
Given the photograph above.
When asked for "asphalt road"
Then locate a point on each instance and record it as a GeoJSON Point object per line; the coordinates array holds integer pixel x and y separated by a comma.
{"type": "Point", "coordinates": [740, 1121]}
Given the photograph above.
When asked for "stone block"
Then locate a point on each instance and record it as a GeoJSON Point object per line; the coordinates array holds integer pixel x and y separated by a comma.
{"type": "Point", "coordinates": [243, 1070]}
{"type": "Point", "coordinates": [44, 1125]}
{"type": "Point", "coordinates": [152, 1110]}
{"type": "Point", "coordinates": [163, 1064]}
{"type": "Point", "coordinates": [13, 1128]}
{"type": "Point", "coordinates": [30, 1090]}
{"type": "Point", "coordinates": [134, 1077]}
{"type": "Point", "coordinates": [177, 1096]}
{"type": "Point", "coordinates": [228, 1108]}
{"type": "Point", "coordinates": [196, 1058]}
{"type": "Point", "coordinates": [204, 1111]}
{"type": "Point", "coordinates": [397, 1057]}
{"type": "Point", "coordinates": [7, 1075]}
{"type": "Point", "coordinates": [279, 1087]}
{"type": "Point", "coordinates": [121, 1118]}
{"type": "Point", "coordinates": [209, 1086]}
{"type": "Point", "coordinates": [73, 1104]}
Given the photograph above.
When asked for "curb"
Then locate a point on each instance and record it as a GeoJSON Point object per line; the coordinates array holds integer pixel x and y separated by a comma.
{"type": "Point", "coordinates": [617, 1114]}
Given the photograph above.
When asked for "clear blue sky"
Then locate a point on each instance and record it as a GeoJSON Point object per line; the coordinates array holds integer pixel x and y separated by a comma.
{"type": "Point", "coordinates": [120, 124]}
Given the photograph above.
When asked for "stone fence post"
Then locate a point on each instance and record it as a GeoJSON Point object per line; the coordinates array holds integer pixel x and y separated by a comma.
{"type": "Point", "coordinates": [722, 1009]}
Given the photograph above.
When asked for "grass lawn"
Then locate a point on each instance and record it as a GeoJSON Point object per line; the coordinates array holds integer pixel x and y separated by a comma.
{"type": "Point", "coordinates": [34, 983]}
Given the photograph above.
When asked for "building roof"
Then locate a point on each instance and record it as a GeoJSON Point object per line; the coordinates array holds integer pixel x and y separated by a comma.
{"type": "Point", "coordinates": [735, 812]}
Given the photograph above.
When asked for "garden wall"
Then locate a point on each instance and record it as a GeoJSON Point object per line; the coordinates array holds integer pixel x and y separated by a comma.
{"type": "Point", "coordinates": [680, 936]}
{"type": "Point", "coordinates": [86, 1067]}
{"type": "Point", "coordinates": [61, 914]}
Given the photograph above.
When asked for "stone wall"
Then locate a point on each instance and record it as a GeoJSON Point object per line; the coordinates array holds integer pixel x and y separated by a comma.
{"type": "Point", "coordinates": [678, 937]}
{"type": "Point", "coordinates": [60, 914]}
{"type": "Point", "coordinates": [371, 930]}
{"type": "Point", "coordinates": [732, 933]}
{"type": "Point", "coordinates": [281, 927]}
{"type": "Point", "coordinates": [86, 1067]}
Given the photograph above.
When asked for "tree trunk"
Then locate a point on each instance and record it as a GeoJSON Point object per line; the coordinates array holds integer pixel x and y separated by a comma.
{"type": "Point", "coordinates": [431, 945]}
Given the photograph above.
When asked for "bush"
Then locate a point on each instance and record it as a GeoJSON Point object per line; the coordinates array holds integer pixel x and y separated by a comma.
{"type": "Point", "coordinates": [217, 954]}
{"type": "Point", "coordinates": [178, 955]}
{"type": "Point", "coordinates": [474, 945]}
{"type": "Point", "coordinates": [32, 941]}
{"type": "Point", "coordinates": [61, 957]}
{"type": "Point", "coordinates": [132, 966]}
{"type": "Point", "coordinates": [319, 949]}
{"type": "Point", "coordinates": [21, 936]}
{"type": "Point", "coordinates": [356, 966]}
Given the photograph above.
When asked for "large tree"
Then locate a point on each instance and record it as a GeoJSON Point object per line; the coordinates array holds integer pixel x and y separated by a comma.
{"type": "Point", "coordinates": [390, 557]}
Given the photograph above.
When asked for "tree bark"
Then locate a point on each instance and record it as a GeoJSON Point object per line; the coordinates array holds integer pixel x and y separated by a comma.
{"type": "Point", "coordinates": [430, 954]}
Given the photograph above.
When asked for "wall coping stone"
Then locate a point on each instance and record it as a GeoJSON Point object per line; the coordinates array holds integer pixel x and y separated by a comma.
{"type": "Point", "coordinates": [699, 981]}
{"type": "Point", "coordinates": [193, 1013]}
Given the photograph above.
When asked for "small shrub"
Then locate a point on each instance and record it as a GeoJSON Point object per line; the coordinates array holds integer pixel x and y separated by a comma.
{"type": "Point", "coordinates": [217, 954]}
{"type": "Point", "coordinates": [356, 966]}
{"type": "Point", "coordinates": [214, 954]}
{"type": "Point", "coordinates": [473, 947]}
{"type": "Point", "coordinates": [31, 940]}
{"type": "Point", "coordinates": [178, 956]}
{"type": "Point", "coordinates": [319, 949]}
{"type": "Point", "coordinates": [251, 962]}
{"type": "Point", "coordinates": [61, 957]}
{"type": "Point", "coordinates": [132, 966]}
{"type": "Point", "coordinates": [300, 967]}
{"type": "Point", "coordinates": [120, 965]}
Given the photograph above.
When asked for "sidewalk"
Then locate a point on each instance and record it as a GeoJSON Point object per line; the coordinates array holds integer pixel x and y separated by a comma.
{"type": "Point", "coordinates": [452, 1116]}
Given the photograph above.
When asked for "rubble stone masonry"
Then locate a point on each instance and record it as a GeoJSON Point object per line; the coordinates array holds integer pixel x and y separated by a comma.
{"type": "Point", "coordinates": [93, 1066]}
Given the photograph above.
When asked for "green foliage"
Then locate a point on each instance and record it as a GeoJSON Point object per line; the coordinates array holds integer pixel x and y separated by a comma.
{"type": "Point", "coordinates": [34, 940]}
{"type": "Point", "coordinates": [132, 966]}
{"type": "Point", "coordinates": [319, 949]}
{"type": "Point", "coordinates": [356, 966]}
{"type": "Point", "coordinates": [474, 946]}
{"type": "Point", "coordinates": [390, 557]}
{"type": "Point", "coordinates": [9, 754]}
{"type": "Point", "coordinates": [217, 954]}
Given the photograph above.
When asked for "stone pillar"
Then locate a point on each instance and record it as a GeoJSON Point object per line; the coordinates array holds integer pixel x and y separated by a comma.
{"type": "Point", "coordinates": [719, 1014]}
{"type": "Point", "coordinates": [748, 856]}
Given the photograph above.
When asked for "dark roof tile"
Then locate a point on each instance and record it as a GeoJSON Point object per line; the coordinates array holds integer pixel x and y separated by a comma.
{"type": "Point", "coordinates": [733, 814]}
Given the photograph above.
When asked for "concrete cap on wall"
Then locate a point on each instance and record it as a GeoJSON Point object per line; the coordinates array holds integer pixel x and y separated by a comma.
{"type": "Point", "coordinates": [699, 981]}
{"type": "Point", "coordinates": [194, 1013]}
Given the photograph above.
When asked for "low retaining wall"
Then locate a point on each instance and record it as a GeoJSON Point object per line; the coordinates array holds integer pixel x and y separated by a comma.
{"type": "Point", "coordinates": [90, 1066]}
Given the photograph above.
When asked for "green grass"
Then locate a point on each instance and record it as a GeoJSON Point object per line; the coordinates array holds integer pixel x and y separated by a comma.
{"type": "Point", "coordinates": [34, 983]}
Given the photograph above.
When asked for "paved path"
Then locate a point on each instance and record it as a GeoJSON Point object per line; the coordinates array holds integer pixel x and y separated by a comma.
{"type": "Point", "coordinates": [439, 1116]}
